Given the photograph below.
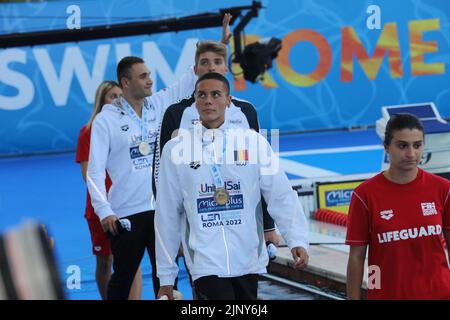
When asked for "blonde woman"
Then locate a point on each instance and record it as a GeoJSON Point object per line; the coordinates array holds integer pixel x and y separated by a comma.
{"type": "Point", "coordinates": [101, 247]}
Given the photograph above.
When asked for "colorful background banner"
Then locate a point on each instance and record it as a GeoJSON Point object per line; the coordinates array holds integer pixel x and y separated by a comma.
{"type": "Point", "coordinates": [334, 70]}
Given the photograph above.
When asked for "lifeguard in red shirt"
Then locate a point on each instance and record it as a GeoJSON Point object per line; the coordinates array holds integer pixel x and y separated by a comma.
{"type": "Point", "coordinates": [101, 247]}
{"type": "Point", "coordinates": [403, 216]}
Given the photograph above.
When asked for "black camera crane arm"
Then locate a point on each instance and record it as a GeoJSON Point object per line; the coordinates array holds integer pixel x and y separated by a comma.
{"type": "Point", "coordinates": [199, 21]}
{"type": "Point", "coordinates": [256, 5]}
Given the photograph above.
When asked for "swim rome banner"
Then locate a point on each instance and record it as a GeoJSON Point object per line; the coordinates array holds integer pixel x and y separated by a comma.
{"type": "Point", "coordinates": [340, 62]}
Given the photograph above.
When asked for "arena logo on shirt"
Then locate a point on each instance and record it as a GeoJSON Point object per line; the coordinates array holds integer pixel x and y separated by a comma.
{"type": "Point", "coordinates": [387, 214]}
{"type": "Point", "coordinates": [410, 233]}
{"type": "Point", "coordinates": [428, 208]}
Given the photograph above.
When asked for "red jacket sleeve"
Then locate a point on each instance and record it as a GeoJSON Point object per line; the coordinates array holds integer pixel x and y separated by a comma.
{"type": "Point", "coordinates": [358, 228]}
{"type": "Point", "coordinates": [84, 139]}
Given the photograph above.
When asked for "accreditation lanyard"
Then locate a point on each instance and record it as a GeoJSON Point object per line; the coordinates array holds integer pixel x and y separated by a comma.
{"type": "Point", "coordinates": [142, 123]}
{"type": "Point", "coordinates": [215, 167]}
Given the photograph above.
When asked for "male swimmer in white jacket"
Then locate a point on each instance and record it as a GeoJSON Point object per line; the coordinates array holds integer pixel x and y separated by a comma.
{"type": "Point", "coordinates": [209, 195]}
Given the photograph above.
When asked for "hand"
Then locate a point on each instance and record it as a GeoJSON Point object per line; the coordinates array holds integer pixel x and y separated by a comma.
{"type": "Point", "coordinates": [166, 291]}
{"type": "Point", "coordinates": [272, 236]}
{"type": "Point", "coordinates": [109, 224]}
{"type": "Point", "coordinates": [300, 257]}
{"type": "Point", "coordinates": [226, 33]}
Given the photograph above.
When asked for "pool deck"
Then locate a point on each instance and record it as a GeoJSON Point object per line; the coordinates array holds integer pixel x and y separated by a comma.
{"type": "Point", "coordinates": [327, 266]}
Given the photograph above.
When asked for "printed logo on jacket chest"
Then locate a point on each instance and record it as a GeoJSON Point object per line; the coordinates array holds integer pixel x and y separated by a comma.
{"type": "Point", "coordinates": [235, 122]}
{"type": "Point", "coordinates": [241, 157]}
{"type": "Point", "coordinates": [387, 214]}
{"type": "Point", "coordinates": [194, 165]}
{"type": "Point", "coordinates": [138, 160]}
{"type": "Point", "coordinates": [208, 189]}
{"type": "Point", "coordinates": [211, 214]}
{"type": "Point", "coordinates": [428, 208]}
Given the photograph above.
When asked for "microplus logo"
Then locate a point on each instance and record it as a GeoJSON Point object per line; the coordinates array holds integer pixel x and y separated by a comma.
{"type": "Point", "coordinates": [428, 208]}
{"type": "Point", "coordinates": [338, 197]}
{"type": "Point", "coordinates": [208, 205]}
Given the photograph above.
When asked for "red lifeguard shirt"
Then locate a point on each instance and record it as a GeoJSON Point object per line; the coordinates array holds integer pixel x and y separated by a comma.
{"type": "Point", "coordinates": [403, 226]}
{"type": "Point", "coordinates": [84, 142]}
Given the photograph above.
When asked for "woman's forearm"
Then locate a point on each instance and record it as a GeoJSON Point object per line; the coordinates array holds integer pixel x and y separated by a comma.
{"type": "Point", "coordinates": [355, 273]}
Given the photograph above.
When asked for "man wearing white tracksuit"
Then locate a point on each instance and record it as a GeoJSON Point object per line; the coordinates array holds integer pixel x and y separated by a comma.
{"type": "Point", "coordinates": [212, 202]}
{"type": "Point", "coordinates": [122, 143]}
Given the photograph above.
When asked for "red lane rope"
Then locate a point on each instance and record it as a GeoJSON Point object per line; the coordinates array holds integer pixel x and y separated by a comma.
{"type": "Point", "coordinates": [330, 216]}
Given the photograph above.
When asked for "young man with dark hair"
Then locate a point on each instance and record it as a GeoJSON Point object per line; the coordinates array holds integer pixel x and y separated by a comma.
{"type": "Point", "coordinates": [210, 56]}
{"type": "Point", "coordinates": [124, 68]}
{"type": "Point", "coordinates": [122, 143]}
{"type": "Point", "coordinates": [214, 207]}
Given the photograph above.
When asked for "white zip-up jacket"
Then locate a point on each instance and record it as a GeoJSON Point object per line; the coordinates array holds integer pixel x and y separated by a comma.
{"type": "Point", "coordinates": [227, 240]}
{"type": "Point", "coordinates": [114, 146]}
{"type": "Point", "coordinates": [184, 115]}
